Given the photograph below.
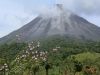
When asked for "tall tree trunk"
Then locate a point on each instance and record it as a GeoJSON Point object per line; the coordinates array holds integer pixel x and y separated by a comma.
{"type": "Point", "coordinates": [46, 71]}
{"type": "Point", "coordinates": [34, 72]}
{"type": "Point", "coordinates": [59, 71]}
{"type": "Point", "coordinates": [74, 72]}
{"type": "Point", "coordinates": [65, 71]}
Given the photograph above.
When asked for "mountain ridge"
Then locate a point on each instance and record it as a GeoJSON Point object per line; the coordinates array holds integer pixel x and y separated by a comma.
{"type": "Point", "coordinates": [57, 20]}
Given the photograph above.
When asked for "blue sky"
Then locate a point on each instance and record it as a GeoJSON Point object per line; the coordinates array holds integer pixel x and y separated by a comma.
{"type": "Point", "coordinates": [16, 13]}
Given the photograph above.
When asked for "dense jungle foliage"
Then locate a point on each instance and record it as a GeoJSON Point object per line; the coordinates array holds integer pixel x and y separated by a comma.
{"type": "Point", "coordinates": [72, 57]}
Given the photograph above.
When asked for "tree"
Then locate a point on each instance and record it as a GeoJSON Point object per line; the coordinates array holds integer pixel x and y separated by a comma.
{"type": "Point", "coordinates": [77, 66]}
{"type": "Point", "coordinates": [47, 67]}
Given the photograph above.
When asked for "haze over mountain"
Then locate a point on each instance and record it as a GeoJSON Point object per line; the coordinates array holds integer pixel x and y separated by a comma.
{"type": "Point", "coordinates": [57, 20]}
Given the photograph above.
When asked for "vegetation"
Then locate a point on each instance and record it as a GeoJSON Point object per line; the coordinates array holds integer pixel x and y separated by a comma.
{"type": "Point", "coordinates": [50, 56]}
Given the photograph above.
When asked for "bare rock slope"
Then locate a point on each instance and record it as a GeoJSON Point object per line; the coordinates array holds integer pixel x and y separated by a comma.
{"type": "Point", "coordinates": [58, 20]}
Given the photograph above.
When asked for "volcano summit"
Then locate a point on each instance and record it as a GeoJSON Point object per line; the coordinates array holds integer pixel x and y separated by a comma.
{"type": "Point", "coordinates": [57, 20]}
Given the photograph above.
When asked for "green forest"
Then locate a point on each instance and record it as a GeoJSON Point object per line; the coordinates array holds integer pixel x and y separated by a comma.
{"type": "Point", "coordinates": [52, 55]}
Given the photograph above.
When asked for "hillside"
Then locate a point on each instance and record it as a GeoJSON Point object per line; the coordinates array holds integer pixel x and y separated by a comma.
{"type": "Point", "coordinates": [87, 55]}
{"type": "Point", "coordinates": [58, 21]}
{"type": "Point", "coordinates": [58, 42]}
{"type": "Point", "coordinates": [58, 62]}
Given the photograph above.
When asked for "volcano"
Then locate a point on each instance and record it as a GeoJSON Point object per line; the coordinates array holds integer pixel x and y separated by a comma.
{"type": "Point", "coordinates": [56, 21]}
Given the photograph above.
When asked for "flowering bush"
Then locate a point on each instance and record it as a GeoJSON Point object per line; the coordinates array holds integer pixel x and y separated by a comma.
{"type": "Point", "coordinates": [27, 61]}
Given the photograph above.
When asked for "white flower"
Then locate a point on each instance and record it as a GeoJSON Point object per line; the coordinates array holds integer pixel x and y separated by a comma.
{"type": "Point", "coordinates": [32, 52]}
{"type": "Point", "coordinates": [58, 47]}
{"type": "Point", "coordinates": [17, 58]}
{"type": "Point", "coordinates": [5, 64]}
{"type": "Point", "coordinates": [23, 56]}
{"type": "Point", "coordinates": [0, 69]}
{"type": "Point", "coordinates": [26, 52]}
{"type": "Point", "coordinates": [6, 69]}
{"type": "Point", "coordinates": [35, 58]}
{"type": "Point", "coordinates": [55, 50]}
{"type": "Point", "coordinates": [31, 49]}
{"type": "Point", "coordinates": [46, 52]}
{"type": "Point", "coordinates": [17, 36]}
{"type": "Point", "coordinates": [38, 45]}
{"type": "Point", "coordinates": [36, 52]}
{"type": "Point", "coordinates": [44, 59]}
{"type": "Point", "coordinates": [21, 34]}
{"type": "Point", "coordinates": [29, 44]}
{"type": "Point", "coordinates": [41, 54]}
{"type": "Point", "coordinates": [3, 67]}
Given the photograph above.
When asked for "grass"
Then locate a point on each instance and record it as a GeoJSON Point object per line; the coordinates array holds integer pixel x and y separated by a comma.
{"type": "Point", "coordinates": [87, 55]}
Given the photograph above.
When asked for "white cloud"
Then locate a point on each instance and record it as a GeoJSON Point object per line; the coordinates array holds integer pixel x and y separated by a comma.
{"type": "Point", "coordinates": [88, 7]}
{"type": "Point", "coordinates": [48, 12]}
{"type": "Point", "coordinates": [12, 17]}
{"type": "Point", "coordinates": [14, 14]}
